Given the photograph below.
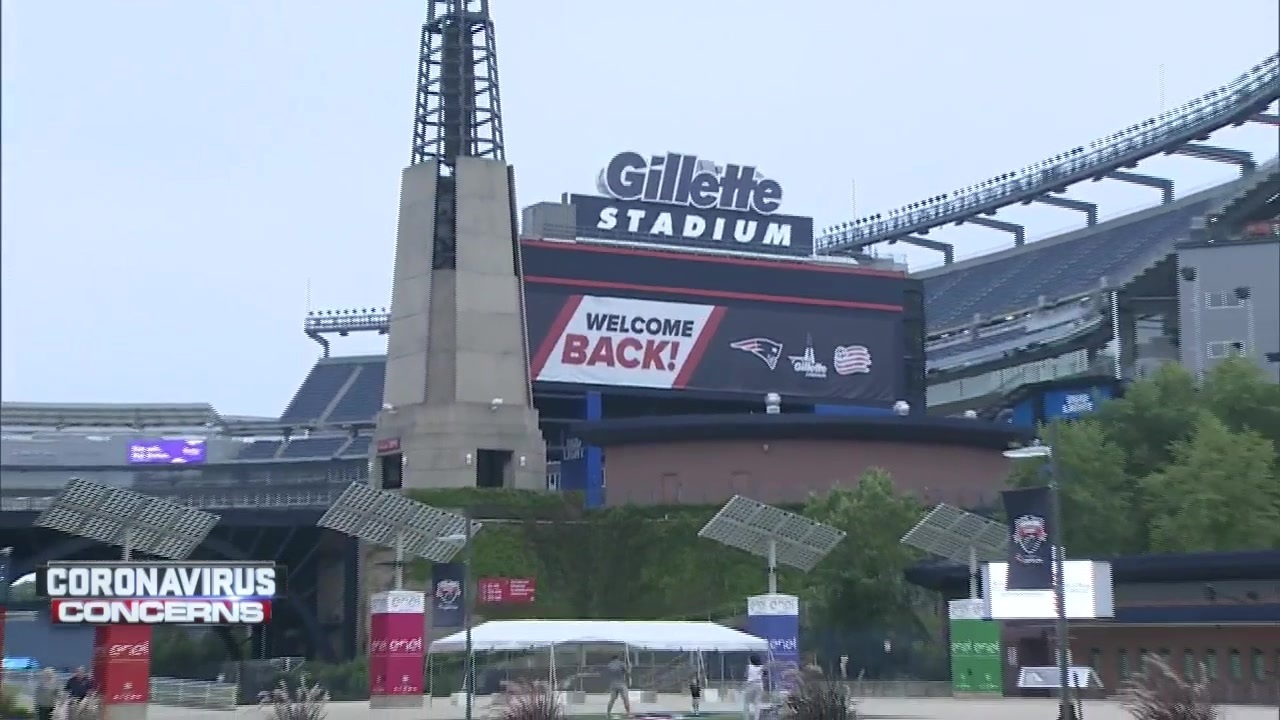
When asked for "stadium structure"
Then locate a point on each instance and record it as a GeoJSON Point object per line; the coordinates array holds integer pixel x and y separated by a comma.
{"type": "Point", "coordinates": [1045, 310]}
{"type": "Point", "coordinates": [1192, 279]}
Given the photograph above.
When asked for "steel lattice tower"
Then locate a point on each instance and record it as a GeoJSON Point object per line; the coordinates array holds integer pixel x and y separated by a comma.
{"type": "Point", "coordinates": [457, 112]}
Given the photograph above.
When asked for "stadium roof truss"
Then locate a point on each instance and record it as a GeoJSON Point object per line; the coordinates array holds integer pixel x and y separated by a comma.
{"type": "Point", "coordinates": [1243, 100]}
{"type": "Point", "coordinates": [128, 519]}
{"type": "Point", "coordinates": [85, 415]}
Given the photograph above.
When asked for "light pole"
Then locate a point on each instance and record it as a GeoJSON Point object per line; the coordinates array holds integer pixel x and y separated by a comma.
{"type": "Point", "coordinates": [468, 667]}
{"type": "Point", "coordinates": [1065, 710]}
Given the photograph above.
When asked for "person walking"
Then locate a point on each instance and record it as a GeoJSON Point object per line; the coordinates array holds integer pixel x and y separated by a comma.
{"type": "Point", "coordinates": [616, 674]}
{"type": "Point", "coordinates": [47, 691]}
{"type": "Point", "coordinates": [753, 690]}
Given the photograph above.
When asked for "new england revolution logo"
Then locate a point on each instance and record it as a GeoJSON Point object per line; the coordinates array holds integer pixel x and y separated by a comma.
{"type": "Point", "coordinates": [769, 351]}
{"type": "Point", "coordinates": [448, 592]}
{"type": "Point", "coordinates": [1029, 534]}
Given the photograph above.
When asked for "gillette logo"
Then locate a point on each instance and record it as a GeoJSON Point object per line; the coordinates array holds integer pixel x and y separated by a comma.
{"type": "Point", "coordinates": [689, 181]}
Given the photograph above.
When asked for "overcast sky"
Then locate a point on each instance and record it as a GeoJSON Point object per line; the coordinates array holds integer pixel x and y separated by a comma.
{"type": "Point", "coordinates": [176, 174]}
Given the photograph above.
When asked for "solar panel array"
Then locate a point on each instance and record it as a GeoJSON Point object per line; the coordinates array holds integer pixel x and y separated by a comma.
{"type": "Point", "coordinates": [124, 518]}
{"type": "Point", "coordinates": [752, 526]}
{"type": "Point", "coordinates": [386, 518]}
{"type": "Point", "coordinates": [949, 532]}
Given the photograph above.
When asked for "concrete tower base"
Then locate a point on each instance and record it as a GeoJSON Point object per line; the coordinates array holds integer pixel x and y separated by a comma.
{"type": "Point", "coordinates": [457, 395]}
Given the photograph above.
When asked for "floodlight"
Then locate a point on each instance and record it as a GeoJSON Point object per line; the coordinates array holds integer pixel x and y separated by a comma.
{"type": "Point", "coordinates": [127, 519]}
{"type": "Point", "coordinates": [386, 518]}
{"type": "Point", "coordinates": [772, 533]}
{"type": "Point", "coordinates": [951, 533]}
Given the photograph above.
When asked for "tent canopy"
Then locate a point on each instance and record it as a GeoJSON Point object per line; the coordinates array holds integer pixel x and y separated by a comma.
{"type": "Point", "coordinates": [642, 634]}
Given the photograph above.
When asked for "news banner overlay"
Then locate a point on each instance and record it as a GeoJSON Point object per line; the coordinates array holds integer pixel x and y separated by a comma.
{"type": "Point", "coordinates": [160, 593]}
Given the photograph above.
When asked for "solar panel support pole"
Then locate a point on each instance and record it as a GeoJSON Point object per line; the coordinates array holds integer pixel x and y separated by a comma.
{"type": "Point", "coordinates": [773, 567]}
{"type": "Point", "coordinates": [973, 572]}
{"type": "Point", "coordinates": [399, 562]}
{"type": "Point", "coordinates": [126, 549]}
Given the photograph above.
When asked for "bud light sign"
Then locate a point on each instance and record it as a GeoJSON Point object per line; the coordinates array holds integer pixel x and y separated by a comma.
{"type": "Point", "coordinates": [685, 200]}
{"type": "Point", "coordinates": [166, 452]}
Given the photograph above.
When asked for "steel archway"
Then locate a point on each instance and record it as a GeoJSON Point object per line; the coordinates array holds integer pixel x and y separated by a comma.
{"type": "Point", "coordinates": [70, 546]}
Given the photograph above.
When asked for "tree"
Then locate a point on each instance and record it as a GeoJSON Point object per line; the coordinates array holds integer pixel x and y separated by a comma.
{"type": "Point", "coordinates": [1152, 415]}
{"type": "Point", "coordinates": [1221, 492]}
{"type": "Point", "coordinates": [1239, 394]}
{"type": "Point", "coordinates": [862, 583]}
{"type": "Point", "coordinates": [1100, 509]}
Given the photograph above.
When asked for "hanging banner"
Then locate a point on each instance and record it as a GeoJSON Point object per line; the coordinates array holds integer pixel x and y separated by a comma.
{"type": "Point", "coordinates": [976, 663]}
{"type": "Point", "coordinates": [1031, 538]}
{"type": "Point", "coordinates": [397, 647]}
{"type": "Point", "coordinates": [448, 593]}
{"type": "Point", "coordinates": [776, 618]}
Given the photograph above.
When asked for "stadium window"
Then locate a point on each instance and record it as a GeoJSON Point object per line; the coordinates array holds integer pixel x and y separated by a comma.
{"type": "Point", "coordinates": [1259, 665]}
{"type": "Point", "coordinates": [1235, 665]}
{"type": "Point", "coordinates": [1123, 664]}
{"type": "Point", "coordinates": [1211, 664]}
{"type": "Point", "coordinates": [1221, 300]}
{"type": "Point", "coordinates": [1189, 665]}
{"type": "Point", "coordinates": [1221, 349]}
{"type": "Point", "coordinates": [493, 468]}
{"type": "Point", "coordinates": [1095, 660]}
{"type": "Point", "coordinates": [1142, 661]}
{"type": "Point", "coordinates": [1166, 657]}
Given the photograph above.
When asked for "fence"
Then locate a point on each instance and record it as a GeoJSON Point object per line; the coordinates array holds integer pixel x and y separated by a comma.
{"type": "Point", "coordinates": [174, 692]}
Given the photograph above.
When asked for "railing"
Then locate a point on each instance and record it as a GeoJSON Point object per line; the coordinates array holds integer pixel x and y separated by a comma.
{"type": "Point", "coordinates": [232, 499]}
{"type": "Point", "coordinates": [174, 692]}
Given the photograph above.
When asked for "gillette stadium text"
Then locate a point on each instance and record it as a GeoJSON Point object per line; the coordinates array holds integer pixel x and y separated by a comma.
{"type": "Point", "coordinates": [160, 593]}
{"type": "Point", "coordinates": [676, 199]}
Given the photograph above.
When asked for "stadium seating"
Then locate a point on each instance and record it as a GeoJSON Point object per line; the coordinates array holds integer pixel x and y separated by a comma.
{"type": "Point", "coordinates": [359, 447]}
{"type": "Point", "coordinates": [314, 447]}
{"type": "Point", "coordinates": [260, 450]}
{"type": "Point", "coordinates": [318, 391]}
{"type": "Point", "coordinates": [1117, 251]}
{"type": "Point", "coordinates": [363, 398]}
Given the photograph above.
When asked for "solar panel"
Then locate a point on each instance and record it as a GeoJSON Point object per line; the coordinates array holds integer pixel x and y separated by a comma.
{"type": "Point", "coordinates": [124, 518]}
{"type": "Point", "coordinates": [949, 532]}
{"type": "Point", "coordinates": [387, 518]}
{"type": "Point", "coordinates": [753, 526]}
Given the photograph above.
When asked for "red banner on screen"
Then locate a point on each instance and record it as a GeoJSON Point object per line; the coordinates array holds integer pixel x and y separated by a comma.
{"type": "Point", "coordinates": [500, 590]}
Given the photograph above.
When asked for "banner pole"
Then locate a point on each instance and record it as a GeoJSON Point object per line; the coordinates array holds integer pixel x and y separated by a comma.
{"type": "Point", "coordinates": [1065, 710]}
{"type": "Point", "coordinates": [466, 611]}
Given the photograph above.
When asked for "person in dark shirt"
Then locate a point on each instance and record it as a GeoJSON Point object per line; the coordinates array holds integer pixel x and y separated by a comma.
{"type": "Point", "coordinates": [79, 685]}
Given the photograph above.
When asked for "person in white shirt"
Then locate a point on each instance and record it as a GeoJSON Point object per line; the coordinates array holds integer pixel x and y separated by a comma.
{"type": "Point", "coordinates": [753, 690]}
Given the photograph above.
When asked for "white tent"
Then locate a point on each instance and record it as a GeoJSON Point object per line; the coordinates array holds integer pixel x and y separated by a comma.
{"type": "Point", "coordinates": [641, 634]}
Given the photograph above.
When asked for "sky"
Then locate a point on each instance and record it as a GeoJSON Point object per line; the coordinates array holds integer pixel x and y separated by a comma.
{"type": "Point", "coordinates": [182, 181]}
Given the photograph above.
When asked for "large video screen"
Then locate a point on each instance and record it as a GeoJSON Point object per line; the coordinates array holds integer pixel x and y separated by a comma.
{"type": "Point", "coordinates": [637, 318]}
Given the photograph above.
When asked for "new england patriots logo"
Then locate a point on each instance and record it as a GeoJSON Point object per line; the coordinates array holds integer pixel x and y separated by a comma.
{"type": "Point", "coordinates": [769, 351]}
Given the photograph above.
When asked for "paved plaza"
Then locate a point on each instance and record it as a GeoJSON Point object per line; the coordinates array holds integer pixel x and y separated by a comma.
{"type": "Point", "coordinates": [873, 709]}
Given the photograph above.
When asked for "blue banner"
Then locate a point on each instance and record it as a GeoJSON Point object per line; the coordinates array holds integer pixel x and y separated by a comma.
{"type": "Point", "coordinates": [776, 618]}
{"type": "Point", "coordinates": [1031, 538]}
{"type": "Point", "coordinates": [448, 595]}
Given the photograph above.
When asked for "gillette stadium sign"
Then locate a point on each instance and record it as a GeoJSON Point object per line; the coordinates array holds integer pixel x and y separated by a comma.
{"type": "Point", "coordinates": [688, 201]}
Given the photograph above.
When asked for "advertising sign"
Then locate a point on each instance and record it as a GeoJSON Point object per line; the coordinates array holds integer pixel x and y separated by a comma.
{"type": "Point", "coordinates": [977, 665]}
{"type": "Point", "coordinates": [397, 646]}
{"type": "Point", "coordinates": [448, 593]}
{"type": "Point", "coordinates": [166, 452]}
{"type": "Point", "coordinates": [122, 664]}
{"type": "Point", "coordinates": [684, 200]}
{"type": "Point", "coordinates": [776, 618]}
{"type": "Point", "coordinates": [503, 590]}
{"type": "Point", "coordinates": [621, 341]}
{"type": "Point", "coordinates": [1089, 594]}
{"type": "Point", "coordinates": [160, 593]}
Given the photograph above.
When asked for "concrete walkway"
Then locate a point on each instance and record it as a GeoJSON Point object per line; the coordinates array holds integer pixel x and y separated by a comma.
{"type": "Point", "coordinates": [872, 708]}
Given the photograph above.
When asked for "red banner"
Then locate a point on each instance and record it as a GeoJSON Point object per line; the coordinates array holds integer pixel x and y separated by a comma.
{"type": "Point", "coordinates": [500, 590]}
{"type": "Point", "coordinates": [397, 649]}
{"type": "Point", "coordinates": [122, 664]}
